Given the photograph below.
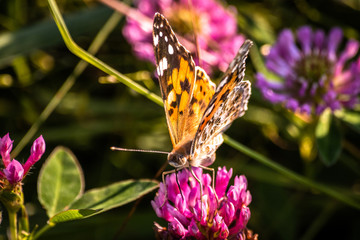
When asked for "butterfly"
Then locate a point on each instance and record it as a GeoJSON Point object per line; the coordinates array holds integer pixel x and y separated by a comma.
{"type": "Point", "coordinates": [197, 112]}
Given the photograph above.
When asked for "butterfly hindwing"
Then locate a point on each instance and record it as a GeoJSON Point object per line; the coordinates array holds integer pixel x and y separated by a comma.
{"type": "Point", "coordinates": [228, 103]}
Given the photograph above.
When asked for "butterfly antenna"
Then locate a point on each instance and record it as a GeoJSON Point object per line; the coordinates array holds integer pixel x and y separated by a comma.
{"type": "Point", "coordinates": [136, 150]}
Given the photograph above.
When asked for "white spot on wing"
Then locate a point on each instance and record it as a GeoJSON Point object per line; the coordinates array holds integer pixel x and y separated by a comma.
{"type": "Point", "coordinates": [158, 70]}
{"type": "Point", "coordinates": [162, 66]}
{"type": "Point", "coordinates": [161, 71]}
{"type": "Point", "coordinates": [156, 40]}
{"type": "Point", "coordinates": [166, 38]}
{"type": "Point", "coordinates": [160, 33]}
{"type": "Point", "coordinates": [164, 60]}
{"type": "Point", "coordinates": [222, 83]}
{"type": "Point", "coordinates": [171, 97]}
{"type": "Point", "coordinates": [170, 49]}
{"type": "Point", "coordinates": [233, 70]}
{"type": "Point", "coordinates": [209, 110]}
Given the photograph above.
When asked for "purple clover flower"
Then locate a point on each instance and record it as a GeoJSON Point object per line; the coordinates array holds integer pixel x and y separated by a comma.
{"type": "Point", "coordinates": [37, 150]}
{"type": "Point", "coordinates": [218, 44]}
{"type": "Point", "coordinates": [314, 74]}
{"type": "Point", "coordinates": [5, 148]}
{"type": "Point", "coordinates": [223, 214]}
{"type": "Point", "coordinates": [14, 171]}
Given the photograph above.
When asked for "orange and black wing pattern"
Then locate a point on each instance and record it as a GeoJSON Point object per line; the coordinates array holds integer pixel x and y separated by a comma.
{"type": "Point", "coordinates": [186, 89]}
{"type": "Point", "coordinates": [228, 103]}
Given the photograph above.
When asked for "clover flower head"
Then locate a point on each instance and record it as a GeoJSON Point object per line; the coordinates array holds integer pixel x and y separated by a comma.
{"type": "Point", "coordinates": [218, 214]}
{"type": "Point", "coordinates": [218, 44]}
{"type": "Point", "coordinates": [14, 171]}
{"type": "Point", "coordinates": [314, 73]}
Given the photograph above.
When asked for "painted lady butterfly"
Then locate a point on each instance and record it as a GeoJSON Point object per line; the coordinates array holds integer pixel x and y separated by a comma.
{"type": "Point", "coordinates": [197, 112]}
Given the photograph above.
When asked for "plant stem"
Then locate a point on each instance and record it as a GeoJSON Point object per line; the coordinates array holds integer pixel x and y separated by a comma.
{"type": "Point", "coordinates": [290, 174]}
{"type": "Point", "coordinates": [78, 51]}
{"type": "Point", "coordinates": [69, 82]}
{"type": "Point", "coordinates": [42, 230]}
{"type": "Point", "coordinates": [13, 224]}
{"type": "Point", "coordinates": [24, 220]}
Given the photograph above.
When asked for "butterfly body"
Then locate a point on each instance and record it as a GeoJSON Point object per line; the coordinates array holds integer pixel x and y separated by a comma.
{"type": "Point", "coordinates": [197, 112]}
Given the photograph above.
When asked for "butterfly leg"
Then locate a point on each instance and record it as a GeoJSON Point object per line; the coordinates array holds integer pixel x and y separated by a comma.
{"type": "Point", "coordinates": [177, 182]}
{"type": "Point", "coordinates": [213, 180]}
{"type": "Point", "coordinates": [201, 189]}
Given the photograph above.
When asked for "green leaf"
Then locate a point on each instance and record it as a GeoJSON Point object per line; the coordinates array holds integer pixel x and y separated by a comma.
{"type": "Point", "coordinates": [98, 200]}
{"type": "Point", "coordinates": [60, 181]}
{"type": "Point", "coordinates": [115, 195]}
{"type": "Point", "coordinates": [328, 138]}
{"type": "Point", "coordinates": [72, 214]}
{"type": "Point", "coordinates": [351, 118]}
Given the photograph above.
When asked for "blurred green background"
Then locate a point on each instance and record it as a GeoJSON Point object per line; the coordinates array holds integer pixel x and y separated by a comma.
{"type": "Point", "coordinates": [34, 63]}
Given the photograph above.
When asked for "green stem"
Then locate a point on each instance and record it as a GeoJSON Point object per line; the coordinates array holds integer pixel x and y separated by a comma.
{"type": "Point", "coordinates": [290, 174]}
{"type": "Point", "coordinates": [74, 48]}
{"type": "Point", "coordinates": [13, 224]}
{"type": "Point", "coordinates": [69, 82]}
{"type": "Point", "coordinates": [24, 220]}
{"type": "Point", "coordinates": [42, 230]}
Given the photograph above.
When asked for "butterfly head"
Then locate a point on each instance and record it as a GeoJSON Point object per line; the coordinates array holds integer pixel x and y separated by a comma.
{"type": "Point", "coordinates": [177, 160]}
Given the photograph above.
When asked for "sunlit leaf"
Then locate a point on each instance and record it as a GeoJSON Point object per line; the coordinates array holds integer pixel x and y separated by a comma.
{"type": "Point", "coordinates": [60, 181]}
{"type": "Point", "coordinates": [102, 199]}
{"type": "Point", "coordinates": [72, 214]}
{"type": "Point", "coordinates": [328, 138]}
{"type": "Point", "coordinates": [351, 118]}
{"type": "Point", "coordinates": [114, 195]}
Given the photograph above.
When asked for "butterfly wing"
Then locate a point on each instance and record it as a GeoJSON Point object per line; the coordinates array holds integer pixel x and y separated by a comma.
{"type": "Point", "coordinates": [204, 90]}
{"type": "Point", "coordinates": [186, 89]}
{"type": "Point", "coordinates": [228, 103]}
{"type": "Point", "coordinates": [176, 71]}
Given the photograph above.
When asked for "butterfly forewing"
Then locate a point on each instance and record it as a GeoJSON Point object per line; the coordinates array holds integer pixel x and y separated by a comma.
{"type": "Point", "coordinates": [228, 103]}
{"type": "Point", "coordinates": [176, 70]}
{"type": "Point", "coordinates": [186, 89]}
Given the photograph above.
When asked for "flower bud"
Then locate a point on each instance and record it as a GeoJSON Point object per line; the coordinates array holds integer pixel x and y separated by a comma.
{"type": "Point", "coordinates": [37, 150]}
{"type": "Point", "coordinates": [5, 148]}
